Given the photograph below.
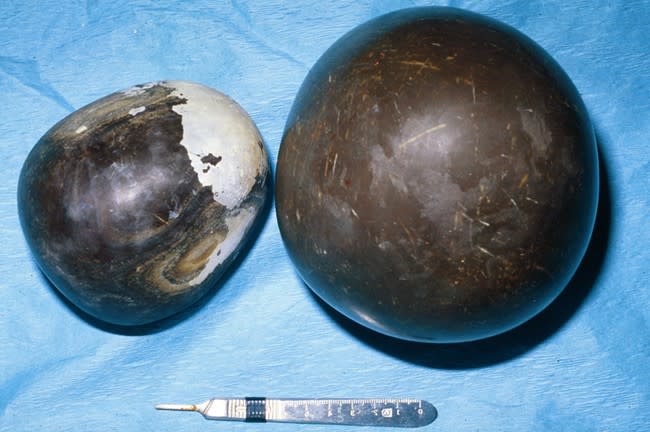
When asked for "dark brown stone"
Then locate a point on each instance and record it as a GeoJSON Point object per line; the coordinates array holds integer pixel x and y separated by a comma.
{"type": "Point", "coordinates": [437, 180]}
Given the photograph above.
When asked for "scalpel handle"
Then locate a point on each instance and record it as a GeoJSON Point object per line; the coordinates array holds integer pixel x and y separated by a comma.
{"type": "Point", "coordinates": [407, 413]}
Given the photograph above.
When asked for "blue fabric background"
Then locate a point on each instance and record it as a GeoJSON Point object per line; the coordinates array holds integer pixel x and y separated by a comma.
{"type": "Point", "coordinates": [582, 365]}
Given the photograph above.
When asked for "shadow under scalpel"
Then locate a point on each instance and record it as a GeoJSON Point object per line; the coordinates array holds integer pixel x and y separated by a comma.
{"type": "Point", "coordinates": [169, 322]}
{"type": "Point", "coordinates": [518, 341]}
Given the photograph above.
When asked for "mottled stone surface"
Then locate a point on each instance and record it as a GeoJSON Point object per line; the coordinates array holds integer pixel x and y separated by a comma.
{"type": "Point", "coordinates": [135, 204]}
{"type": "Point", "coordinates": [438, 176]}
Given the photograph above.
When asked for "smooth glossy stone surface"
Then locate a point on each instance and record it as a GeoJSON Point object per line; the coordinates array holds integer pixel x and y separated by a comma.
{"type": "Point", "coordinates": [135, 205]}
{"type": "Point", "coordinates": [438, 176]}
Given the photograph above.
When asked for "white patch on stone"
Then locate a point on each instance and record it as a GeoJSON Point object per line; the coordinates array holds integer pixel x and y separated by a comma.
{"type": "Point", "coordinates": [135, 111]}
{"type": "Point", "coordinates": [81, 129]}
{"type": "Point", "coordinates": [139, 89]}
{"type": "Point", "coordinates": [238, 226]}
{"type": "Point", "coordinates": [214, 124]}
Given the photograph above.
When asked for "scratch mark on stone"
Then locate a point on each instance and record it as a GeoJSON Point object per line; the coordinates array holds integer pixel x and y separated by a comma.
{"type": "Point", "coordinates": [514, 203]}
{"type": "Point", "coordinates": [421, 134]}
{"type": "Point", "coordinates": [408, 233]}
{"type": "Point", "coordinates": [473, 91]}
{"type": "Point", "coordinates": [161, 219]}
{"type": "Point", "coordinates": [543, 270]}
{"type": "Point", "coordinates": [471, 235]}
{"type": "Point", "coordinates": [422, 64]}
{"type": "Point", "coordinates": [485, 251]}
{"type": "Point", "coordinates": [523, 181]}
{"type": "Point", "coordinates": [466, 216]}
